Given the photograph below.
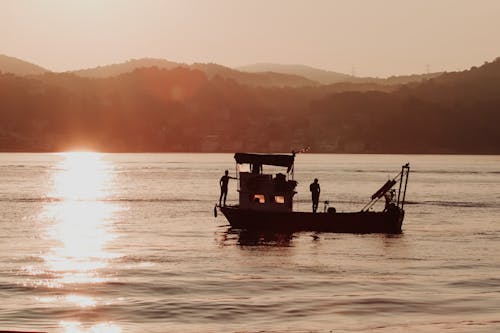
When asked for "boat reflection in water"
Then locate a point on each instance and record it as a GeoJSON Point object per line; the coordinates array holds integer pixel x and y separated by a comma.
{"type": "Point", "coordinates": [78, 224]}
{"type": "Point", "coordinates": [255, 238]}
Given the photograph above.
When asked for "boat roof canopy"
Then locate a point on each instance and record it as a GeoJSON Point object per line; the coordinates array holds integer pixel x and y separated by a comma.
{"type": "Point", "coordinates": [265, 159]}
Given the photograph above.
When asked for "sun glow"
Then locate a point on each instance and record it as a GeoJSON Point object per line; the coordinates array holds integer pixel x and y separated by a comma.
{"type": "Point", "coordinates": [82, 176]}
{"type": "Point", "coordinates": [80, 301]}
{"type": "Point", "coordinates": [80, 218]}
{"type": "Point", "coordinates": [81, 232]}
{"type": "Point", "coordinates": [79, 223]}
{"type": "Point", "coordinates": [76, 327]}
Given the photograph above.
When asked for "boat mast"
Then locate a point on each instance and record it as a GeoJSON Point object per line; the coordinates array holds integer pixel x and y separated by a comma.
{"type": "Point", "coordinates": [405, 172]}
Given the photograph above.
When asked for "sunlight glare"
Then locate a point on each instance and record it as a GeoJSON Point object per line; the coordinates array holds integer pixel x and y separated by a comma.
{"type": "Point", "coordinates": [76, 327]}
{"type": "Point", "coordinates": [82, 176]}
{"type": "Point", "coordinates": [79, 223]}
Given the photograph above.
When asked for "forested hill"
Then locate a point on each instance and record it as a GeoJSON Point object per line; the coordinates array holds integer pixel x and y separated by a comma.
{"type": "Point", "coordinates": [183, 109]}
{"type": "Point", "coordinates": [453, 113]}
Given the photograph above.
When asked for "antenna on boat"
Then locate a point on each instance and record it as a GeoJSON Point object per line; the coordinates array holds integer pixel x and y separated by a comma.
{"type": "Point", "coordinates": [301, 150]}
{"type": "Point", "coordinates": [295, 152]}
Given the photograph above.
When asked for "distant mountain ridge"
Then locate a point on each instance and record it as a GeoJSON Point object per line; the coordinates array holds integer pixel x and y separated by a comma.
{"type": "Point", "coordinates": [264, 74]}
{"type": "Point", "coordinates": [254, 79]}
{"type": "Point", "coordinates": [329, 77]}
{"type": "Point", "coordinates": [311, 73]}
{"type": "Point", "coordinates": [210, 69]}
{"type": "Point", "coordinates": [126, 67]}
{"type": "Point", "coordinates": [19, 67]}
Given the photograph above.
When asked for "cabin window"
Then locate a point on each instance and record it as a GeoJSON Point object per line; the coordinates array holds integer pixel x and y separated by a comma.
{"type": "Point", "coordinates": [279, 199]}
{"type": "Point", "coordinates": [243, 168]}
{"type": "Point", "coordinates": [259, 198]}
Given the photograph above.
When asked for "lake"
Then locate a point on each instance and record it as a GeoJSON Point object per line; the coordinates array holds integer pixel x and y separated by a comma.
{"type": "Point", "coordinates": [128, 243]}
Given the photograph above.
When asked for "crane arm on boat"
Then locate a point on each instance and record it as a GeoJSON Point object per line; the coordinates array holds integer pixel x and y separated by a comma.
{"type": "Point", "coordinates": [402, 179]}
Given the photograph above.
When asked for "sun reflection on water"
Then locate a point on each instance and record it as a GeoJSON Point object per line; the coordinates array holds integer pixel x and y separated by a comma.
{"type": "Point", "coordinates": [82, 176]}
{"type": "Point", "coordinates": [76, 327]}
{"type": "Point", "coordinates": [80, 229]}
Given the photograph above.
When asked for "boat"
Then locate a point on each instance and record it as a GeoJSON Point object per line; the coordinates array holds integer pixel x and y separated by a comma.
{"type": "Point", "coordinates": [266, 202]}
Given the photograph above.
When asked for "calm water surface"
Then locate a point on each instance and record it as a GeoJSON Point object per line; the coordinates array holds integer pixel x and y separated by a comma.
{"type": "Point", "coordinates": [128, 243]}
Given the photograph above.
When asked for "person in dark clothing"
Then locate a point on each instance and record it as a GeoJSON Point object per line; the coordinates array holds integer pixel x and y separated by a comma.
{"type": "Point", "coordinates": [224, 181]}
{"type": "Point", "coordinates": [315, 190]}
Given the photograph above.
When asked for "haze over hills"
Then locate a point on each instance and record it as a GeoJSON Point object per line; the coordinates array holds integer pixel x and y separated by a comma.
{"type": "Point", "coordinates": [19, 67]}
{"type": "Point", "coordinates": [184, 109]}
{"type": "Point", "coordinates": [211, 70]}
{"type": "Point", "coordinates": [314, 74]}
{"type": "Point", "coordinates": [126, 67]}
{"type": "Point", "coordinates": [255, 79]}
{"type": "Point", "coordinates": [263, 75]}
{"type": "Point", "coordinates": [330, 77]}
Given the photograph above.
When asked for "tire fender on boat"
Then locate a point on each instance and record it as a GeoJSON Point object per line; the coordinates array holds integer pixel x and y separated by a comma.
{"type": "Point", "coordinates": [331, 210]}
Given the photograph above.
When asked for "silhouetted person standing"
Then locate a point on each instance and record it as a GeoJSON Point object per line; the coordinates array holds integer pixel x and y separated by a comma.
{"type": "Point", "coordinates": [224, 181]}
{"type": "Point", "coordinates": [315, 190]}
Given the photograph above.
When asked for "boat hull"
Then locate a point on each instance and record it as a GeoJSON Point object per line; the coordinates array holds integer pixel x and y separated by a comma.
{"type": "Point", "coordinates": [356, 222]}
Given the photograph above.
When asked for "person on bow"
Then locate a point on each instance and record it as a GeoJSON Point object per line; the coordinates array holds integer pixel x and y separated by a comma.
{"type": "Point", "coordinates": [224, 181]}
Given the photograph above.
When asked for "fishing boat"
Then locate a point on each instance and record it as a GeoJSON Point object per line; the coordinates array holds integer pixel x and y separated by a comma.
{"type": "Point", "coordinates": [266, 202]}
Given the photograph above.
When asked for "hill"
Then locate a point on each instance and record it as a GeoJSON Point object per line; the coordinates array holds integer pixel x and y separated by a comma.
{"type": "Point", "coordinates": [211, 70]}
{"type": "Point", "coordinates": [263, 75]}
{"type": "Point", "coordinates": [254, 79]}
{"type": "Point", "coordinates": [452, 113]}
{"type": "Point", "coordinates": [311, 73]}
{"type": "Point", "coordinates": [184, 109]}
{"type": "Point", "coordinates": [330, 77]}
{"type": "Point", "coordinates": [19, 67]}
{"type": "Point", "coordinates": [398, 79]}
{"type": "Point", "coordinates": [125, 67]}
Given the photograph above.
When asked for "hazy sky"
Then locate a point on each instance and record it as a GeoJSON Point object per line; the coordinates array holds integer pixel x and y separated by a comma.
{"type": "Point", "coordinates": [373, 37]}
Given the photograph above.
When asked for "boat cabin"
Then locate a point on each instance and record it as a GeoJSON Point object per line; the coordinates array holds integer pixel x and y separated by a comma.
{"type": "Point", "coordinates": [265, 191]}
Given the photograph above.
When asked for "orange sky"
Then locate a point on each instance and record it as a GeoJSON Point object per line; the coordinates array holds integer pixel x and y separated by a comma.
{"type": "Point", "coordinates": [373, 37]}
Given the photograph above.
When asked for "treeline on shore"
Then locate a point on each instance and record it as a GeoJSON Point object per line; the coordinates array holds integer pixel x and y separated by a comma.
{"type": "Point", "coordinates": [182, 110]}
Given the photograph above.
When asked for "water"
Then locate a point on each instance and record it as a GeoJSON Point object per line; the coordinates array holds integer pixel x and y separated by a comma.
{"type": "Point", "coordinates": [128, 243]}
